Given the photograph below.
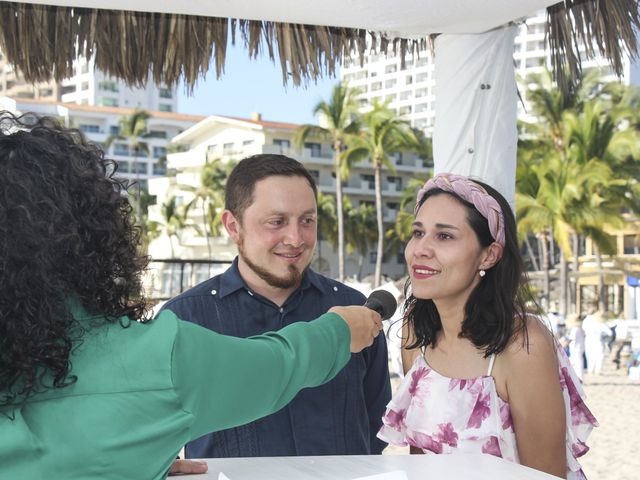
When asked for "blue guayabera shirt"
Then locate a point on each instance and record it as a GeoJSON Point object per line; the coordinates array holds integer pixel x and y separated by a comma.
{"type": "Point", "coordinates": [340, 417]}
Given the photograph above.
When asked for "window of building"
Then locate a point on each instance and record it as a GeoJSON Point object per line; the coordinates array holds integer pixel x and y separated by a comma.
{"type": "Point", "coordinates": [390, 98]}
{"type": "Point", "coordinates": [375, 86]}
{"type": "Point", "coordinates": [390, 83]}
{"type": "Point", "coordinates": [408, 80]}
{"type": "Point", "coordinates": [45, 92]}
{"type": "Point", "coordinates": [212, 148]}
{"type": "Point", "coordinates": [163, 107]}
{"type": "Point", "coordinates": [314, 147]}
{"type": "Point", "coordinates": [25, 94]}
{"type": "Point", "coordinates": [281, 143]}
{"type": "Point", "coordinates": [84, 68]}
{"type": "Point", "coordinates": [406, 95]}
{"type": "Point", "coordinates": [373, 256]}
{"type": "Point", "coordinates": [406, 110]}
{"type": "Point", "coordinates": [166, 93]}
{"type": "Point", "coordinates": [84, 86]}
{"type": "Point", "coordinates": [114, 129]}
{"type": "Point", "coordinates": [422, 92]}
{"type": "Point", "coordinates": [422, 107]}
{"type": "Point", "coordinates": [631, 244]}
{"type": "Point", "coordinates": [108, 86]}
{"type": "Point", "coordinates": [397, 181]}
{"type": "Point", "coordinates": [157, 134]}
{"type": "Point", "coordinates": [391, 68]}
{"type": "Point", "coordinates": [88, 128]}
{"type": "Point", "coordinates": [368, 181]}
{"type": "Point", "coordinates": [159, 152]}
{"type": "Point", "coordinates": [227, 148]}
{"type": "Point", "coordinates": [422, 61]}
{"type": "Point", "coordinates": [123, 167]}
{"type": "Point", "coordinates": [159, 169]}
{"type": "Point", "coordinates": [140, 167]}
{"type": "Point", "coordinates": [68, 89]}
{"type": "Point", "coordinates": [422, 77]}
{"type": "Point", "coordinates": [246, 143]}
{"type": "Point", "coordinates": [121, 149]}
{"type": "Point", "coordinates": [107, 102]}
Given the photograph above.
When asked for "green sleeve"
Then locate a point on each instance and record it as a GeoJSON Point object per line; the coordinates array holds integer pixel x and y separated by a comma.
{"type": "Point", "coordinates": [228, 381]}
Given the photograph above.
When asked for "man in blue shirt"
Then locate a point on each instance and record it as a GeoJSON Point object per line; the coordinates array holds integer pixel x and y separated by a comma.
{"type": "Point", "coordinates": [271, 215]}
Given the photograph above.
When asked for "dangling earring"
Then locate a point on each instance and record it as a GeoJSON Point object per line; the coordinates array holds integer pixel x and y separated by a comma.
{"type": "Point", "coordinates": [482, 273]}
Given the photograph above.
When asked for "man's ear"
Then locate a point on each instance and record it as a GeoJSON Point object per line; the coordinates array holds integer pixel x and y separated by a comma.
{"type": "Point", "coordinates": [492, 255]}
{"type": "Point", "coordinates": [231, 225]}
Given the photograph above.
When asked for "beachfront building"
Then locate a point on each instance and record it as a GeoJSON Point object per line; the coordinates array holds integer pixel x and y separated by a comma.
{"type": "Point", "coordinates": [231, 139]}
{"type": "Point", "coordinates": [99, 123]}
{"type": "Point", "coordinates": [88, 86]}
{"type": "Point", "coordinates": [409, 88]}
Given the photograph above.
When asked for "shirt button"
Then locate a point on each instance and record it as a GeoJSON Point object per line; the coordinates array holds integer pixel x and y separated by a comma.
{"type": "Point", "coordinates": [335, 289]}
{"type": "Point", "coordinates": [250, 292]}
{"type": "Point", "coordinates": [213, 292]}
{"type": "Point", "coordinates": [281, 309]}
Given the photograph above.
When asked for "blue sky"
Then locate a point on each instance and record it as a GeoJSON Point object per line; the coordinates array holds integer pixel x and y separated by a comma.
{"type": "Point", "coordinates": [254, 86]}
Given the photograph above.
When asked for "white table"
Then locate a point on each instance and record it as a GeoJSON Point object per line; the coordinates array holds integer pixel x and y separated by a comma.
{"type": "Point", "coordinates": [423, 467]}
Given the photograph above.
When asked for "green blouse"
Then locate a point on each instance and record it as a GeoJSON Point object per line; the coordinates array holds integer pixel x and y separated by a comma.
{"type": "Point", "coordinates": [146, 390]}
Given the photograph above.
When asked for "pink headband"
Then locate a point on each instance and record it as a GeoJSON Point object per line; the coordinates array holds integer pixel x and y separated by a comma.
{"type": "Point", "coordinates": [473, 193]}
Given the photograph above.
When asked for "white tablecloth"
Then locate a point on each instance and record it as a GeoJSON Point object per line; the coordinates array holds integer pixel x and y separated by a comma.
{"type": "Point", "coordinates": [423, 467]}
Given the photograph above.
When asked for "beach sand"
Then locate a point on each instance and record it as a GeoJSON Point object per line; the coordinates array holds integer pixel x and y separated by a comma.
{"type": "Point", "coordinates": [614, 445]}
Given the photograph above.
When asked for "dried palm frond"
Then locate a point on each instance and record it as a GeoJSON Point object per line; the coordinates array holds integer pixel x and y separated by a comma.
{"type": "Point", "coordinates": [604, 27]}
{"type": "Point", "coordinates": [43, 41]}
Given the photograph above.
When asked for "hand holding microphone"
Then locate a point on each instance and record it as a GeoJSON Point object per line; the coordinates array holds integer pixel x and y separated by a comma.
{"type": "Point", "coordinates": [365, 322]}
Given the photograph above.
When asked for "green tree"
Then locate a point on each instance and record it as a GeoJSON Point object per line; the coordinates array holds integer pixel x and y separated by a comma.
{"type": "Point", "coordinates": [383, 135]}
{"type": "Point", "coordinates": [208, 197]}
{"type": "Point", "coordinates": [133, 131]}
{"type": "Point", "coordinates": [340, 116]}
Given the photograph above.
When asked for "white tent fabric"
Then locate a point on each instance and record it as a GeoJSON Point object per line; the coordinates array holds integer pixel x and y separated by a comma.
{"type": "Point", "coordinates": [405, 18]}
{"type": "Point", "coordinates": [475, 130]}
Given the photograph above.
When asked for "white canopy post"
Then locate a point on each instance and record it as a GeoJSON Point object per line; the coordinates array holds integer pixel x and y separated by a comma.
{"type": "Point", "coordinates": [476, 107]}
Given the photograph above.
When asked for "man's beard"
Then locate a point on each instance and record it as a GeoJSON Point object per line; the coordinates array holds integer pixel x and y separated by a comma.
{"type": "Point", "coordinates": [293, 279]}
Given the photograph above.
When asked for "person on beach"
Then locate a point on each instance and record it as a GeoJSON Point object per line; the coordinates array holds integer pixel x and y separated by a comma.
{"type": "Point", "coordinates": [89, 388]}
{"type": "Point", "coordinates": [482, 376]}
{"type": "Point", "coordinates": [597, 335]}
{"type": "Point", "coordinates": [576, 340]}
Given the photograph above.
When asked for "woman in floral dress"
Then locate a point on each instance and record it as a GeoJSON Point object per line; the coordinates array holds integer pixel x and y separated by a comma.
{"type": "Point", "coordinates": [482, 376]}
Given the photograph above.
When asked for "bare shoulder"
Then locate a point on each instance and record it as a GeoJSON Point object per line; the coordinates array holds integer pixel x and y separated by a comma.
{"type": "Point", "coordinates": [531, 349]}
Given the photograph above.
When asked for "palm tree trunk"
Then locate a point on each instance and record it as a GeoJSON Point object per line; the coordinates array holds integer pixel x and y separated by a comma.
{"type": "Point", "coordinates": [576, 273]}
{"type": "Point", "coordinates": [564, 281]}
{"type": "Point", "coordinates": [337, 147]}
{"type": "Point", "coordinates": [536, 265]}
{"type": "Point", "coordinates": [377, 170]}
{"type": "Point", "coordinates": [206, 230]}
{"type": "Point", "coordinates": [544, 249]}
{"type": "Point", "coordinates": [602, 294]}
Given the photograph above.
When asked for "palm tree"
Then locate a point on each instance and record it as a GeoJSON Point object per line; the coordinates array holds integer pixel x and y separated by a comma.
{"type": "Point", "coordinates": [340, 115]}
{"type": "Point", "coordinates": [209, 197]}
{"type": "Point", "coordinates": [360, 230]}
{"type": "Point", "coordinates": [384, 135]}
{"type": "Point", "coordinates": [133, 131]}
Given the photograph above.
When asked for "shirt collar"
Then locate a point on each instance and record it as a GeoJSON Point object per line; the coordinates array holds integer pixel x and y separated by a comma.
{"type": "Point", "coordinates": [231, 281]}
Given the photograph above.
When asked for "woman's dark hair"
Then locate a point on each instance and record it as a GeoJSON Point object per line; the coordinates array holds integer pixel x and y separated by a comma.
{"type": "Point", "coordinates": [496, 309]}
{"type": "Point", "coordinates": [67, 235]}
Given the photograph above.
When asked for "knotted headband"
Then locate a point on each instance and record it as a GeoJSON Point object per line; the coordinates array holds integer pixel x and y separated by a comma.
{"type": "Point", "coordinates": [473, 193]}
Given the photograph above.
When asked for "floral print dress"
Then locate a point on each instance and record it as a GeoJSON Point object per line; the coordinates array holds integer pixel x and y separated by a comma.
{"type": "Point", "coordinates": [444, 415]}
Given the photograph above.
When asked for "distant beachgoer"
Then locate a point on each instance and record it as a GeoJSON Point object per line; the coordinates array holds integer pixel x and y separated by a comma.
{"type": "Point", "coordinates": [597, 335]}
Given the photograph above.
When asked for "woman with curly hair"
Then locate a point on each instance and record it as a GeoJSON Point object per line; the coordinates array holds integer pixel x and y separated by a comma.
{"type": "Point", "coordinates": [89, 387]}
{"type": "Point", "coordinates": [482, 376]}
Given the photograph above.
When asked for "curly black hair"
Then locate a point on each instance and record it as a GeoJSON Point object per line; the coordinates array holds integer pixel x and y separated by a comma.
{"type": "Point", "coordinates": [496, 309]}
{"type": "Point", "coordinates": [67, 235]}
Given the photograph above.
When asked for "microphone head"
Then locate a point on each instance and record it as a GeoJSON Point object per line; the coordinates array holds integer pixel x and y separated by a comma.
{"type": "Point", "coordinates": [382, 302]}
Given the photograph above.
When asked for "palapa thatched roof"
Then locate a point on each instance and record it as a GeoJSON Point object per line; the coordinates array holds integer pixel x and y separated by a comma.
{"type": "Point", "coordinates": [42, 41]}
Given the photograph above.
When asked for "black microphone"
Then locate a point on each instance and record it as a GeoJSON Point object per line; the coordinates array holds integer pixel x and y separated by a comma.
{"type": "Point", "coordinates": [382, 302]}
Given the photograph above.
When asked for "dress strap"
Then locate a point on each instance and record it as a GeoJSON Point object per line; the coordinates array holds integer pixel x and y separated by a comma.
{"type": "Point", "coordinates": [491, 362]}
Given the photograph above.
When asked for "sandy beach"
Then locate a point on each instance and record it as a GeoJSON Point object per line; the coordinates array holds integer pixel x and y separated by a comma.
{"type": "Point", "coordinates": [615, 402]}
